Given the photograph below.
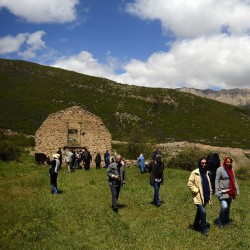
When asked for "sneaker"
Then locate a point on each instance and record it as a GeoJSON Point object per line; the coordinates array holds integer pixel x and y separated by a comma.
{"type": "Point", "coordinates": [205, 233]}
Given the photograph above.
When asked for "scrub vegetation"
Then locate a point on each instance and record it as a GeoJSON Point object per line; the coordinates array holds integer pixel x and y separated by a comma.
{"type": "Point", "coordinates": [81, 216]}
{"type": "Point", "coordinates": [30, 92]}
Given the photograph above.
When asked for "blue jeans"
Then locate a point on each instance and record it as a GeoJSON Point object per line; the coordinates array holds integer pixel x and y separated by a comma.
{"type": "Point", "coordinates": [223, 219]}
{"type": "Point", "coordinates": [141, 166]}
{"type": "Point", "coordinates": [201, 216]}
{"type": "Point", "coordinates": [156, 193]}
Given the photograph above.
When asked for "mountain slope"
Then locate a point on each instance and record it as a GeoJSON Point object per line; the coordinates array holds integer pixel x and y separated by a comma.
{"type": "Point", "coordinates": [237, 97]}
{"type": "Point", "coordinates": [30, 92]}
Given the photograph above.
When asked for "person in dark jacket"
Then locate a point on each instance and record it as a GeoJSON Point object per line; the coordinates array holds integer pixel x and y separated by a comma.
{"type": "Point", "coordinates": [53, 172]}
{"type": "Point", "coordinates": [107, 158]}
{"type": "Point", "coordinates": [157, 178]}
{"type": "Point", "coordinates": [213, 162]}
{"type": "Point", "coordinates": [98, 160]}
{"type": "Point", "coordinates": [116, 179]}
{"type": "Point", "coordinates": [87, 158]}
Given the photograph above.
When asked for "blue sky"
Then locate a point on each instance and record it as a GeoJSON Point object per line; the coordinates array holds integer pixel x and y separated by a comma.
{"type": "Point", "coordinates": [153, 43]}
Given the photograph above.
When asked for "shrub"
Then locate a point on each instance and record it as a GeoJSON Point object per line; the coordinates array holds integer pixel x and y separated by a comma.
{"type": "Point", "coordinates": [133, 150]}
{"type": "Point", "coordinates": [243, 173]}
{"type": "Point", "coordinates": [187, 159]}
{"type": "Point", "coordinates": [8, 151]}
{"type": "Point", "coordinates": [22, 140]}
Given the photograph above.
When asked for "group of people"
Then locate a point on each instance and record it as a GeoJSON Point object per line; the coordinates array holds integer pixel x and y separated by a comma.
{"type": "Point", "coordinates": [75, 157]}
{"type": "Point", "coordinates": [116, 177]}
{"type": "Point", "coordinates": [203, 184]}
{"type": "Point", "coordinates": [207, 179]}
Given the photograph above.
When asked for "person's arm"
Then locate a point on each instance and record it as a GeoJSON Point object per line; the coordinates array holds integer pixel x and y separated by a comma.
{"type": "Point", "coordinates": [217, 182]}
{"type": "Point", "coordinates": [191, 183]}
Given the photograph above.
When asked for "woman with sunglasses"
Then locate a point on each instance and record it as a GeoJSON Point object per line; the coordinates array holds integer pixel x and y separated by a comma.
{"type": "Point", "coordinates": [226, 189]}
{"type": "Point", "coordinates": [200, 186]}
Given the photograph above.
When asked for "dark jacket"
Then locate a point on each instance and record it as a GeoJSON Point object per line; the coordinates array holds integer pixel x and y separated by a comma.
{"type": "Point", "coordinates": [54, 165]}
{"type": "Point", "coordinates": [157, 169]}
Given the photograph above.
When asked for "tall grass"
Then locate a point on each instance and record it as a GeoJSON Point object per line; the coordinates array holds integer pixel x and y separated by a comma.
{"type": "Point", "coordinates": [81, 216]}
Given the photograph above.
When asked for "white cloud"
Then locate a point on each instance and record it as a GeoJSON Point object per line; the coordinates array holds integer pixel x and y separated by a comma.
{"type": "Point", "coordinates": [45, 11]}
{"type": "Point", "coordinates": [189, 19]}
{"type": "Point", "coordinates": [199, 63]}
{"type": "Point", "coordinates": [84, 63]}
{"type": "Point", "coordinates": [10, 44]}
{"type": "Point", "coordinates": [32, 43]}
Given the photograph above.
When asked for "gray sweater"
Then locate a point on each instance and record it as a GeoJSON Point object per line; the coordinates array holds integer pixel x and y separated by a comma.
{"type": "Point", "coordinates": [113, 170]}
{"type": "Point", "coordinates": [222, 182]}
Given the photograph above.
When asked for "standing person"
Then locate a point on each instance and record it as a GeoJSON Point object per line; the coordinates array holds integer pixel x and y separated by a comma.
{"type": "Point", "coordinates": [116, 174]}
{"type": "Point", "coordinates": [87, 159]}
{"type": "Point", "coordinates": [213, 162]}
{"type": "Point", "coordinates": [53, 172]}
{"type": "Point", "coordinates": [155, 154]}
{"type": "Point", "coordinates": [77, 159]}
{"type": "Point", "coordinates": [141, 163]}
{"type": "Point", "coordinates": [69, 159]}
{"type": "Point", "coordinates": [226, 189]}
{"type": "Point", "coordinates": [98, 160]}
{"type": "Point", "coordinates": [157, 178]}
{"type": "Point", "coordinates": [200, 186]}
{"type": "Point", "coordinates": [107, 158]}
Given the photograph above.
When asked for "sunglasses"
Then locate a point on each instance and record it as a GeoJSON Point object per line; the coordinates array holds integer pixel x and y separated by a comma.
{"type": "Point", "coordinates": [203, 163]}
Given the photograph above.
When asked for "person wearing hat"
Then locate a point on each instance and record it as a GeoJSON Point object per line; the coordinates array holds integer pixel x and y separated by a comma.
{"type": "Point", "coordinates": [53, 172]}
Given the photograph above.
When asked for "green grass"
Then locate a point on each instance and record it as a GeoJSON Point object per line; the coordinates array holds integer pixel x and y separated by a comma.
{"type": "Point", "coordinates": [81, 216]}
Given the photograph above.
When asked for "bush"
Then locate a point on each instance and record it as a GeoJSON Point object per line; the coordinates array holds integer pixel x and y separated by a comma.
{"type": "Point", "coordinates": [8, 151]}
{"type": "Point", "coordinates": [22, 140]}
{"type": "Point", "coordinates": [133, 150]}
{"type": "Point", "coordinates": [242, 173]}
{"type": "Point", "coordinates": [187, 159]}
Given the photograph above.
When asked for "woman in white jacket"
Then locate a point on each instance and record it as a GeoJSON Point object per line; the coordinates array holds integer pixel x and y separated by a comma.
{"type": "Point", "coordinates": [200, 186]}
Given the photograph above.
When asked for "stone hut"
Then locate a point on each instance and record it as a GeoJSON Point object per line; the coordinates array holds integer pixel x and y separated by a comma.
{"type": "Point", "coordinates": [70, 128]}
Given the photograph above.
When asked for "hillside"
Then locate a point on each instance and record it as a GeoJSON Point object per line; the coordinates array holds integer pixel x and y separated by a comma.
{"type": "Point", "coordinates": [237, 97]}
{"type": "Point", "coordinates": [30, 92]}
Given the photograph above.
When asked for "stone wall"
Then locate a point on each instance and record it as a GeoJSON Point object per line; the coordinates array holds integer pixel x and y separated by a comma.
{"type": "Point", "coordinates": [73, 127]}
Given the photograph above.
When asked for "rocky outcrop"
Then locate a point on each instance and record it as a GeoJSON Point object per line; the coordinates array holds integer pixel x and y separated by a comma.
{"type": "Point", "coordinates": [240, 156]}
{"type": "Point", "coordinates": [236, 97]}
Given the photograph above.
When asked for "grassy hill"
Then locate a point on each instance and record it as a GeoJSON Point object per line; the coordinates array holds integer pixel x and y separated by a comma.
{"type": "Point", "coordinates": [30, 92]}
{"type": "Point", "coordinates": [81, 216]}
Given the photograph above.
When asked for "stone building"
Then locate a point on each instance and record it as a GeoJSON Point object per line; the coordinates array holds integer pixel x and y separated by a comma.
{"type": "Point", "coordinates": [70, 128]}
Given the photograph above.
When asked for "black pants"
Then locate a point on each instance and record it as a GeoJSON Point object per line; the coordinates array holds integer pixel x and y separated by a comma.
{"type": "Point", "coordinates": [53, 182]}
{"type": "Point", "coordinates": [87, 165]}
{"type": "Point", "coordinates": [115, 195]}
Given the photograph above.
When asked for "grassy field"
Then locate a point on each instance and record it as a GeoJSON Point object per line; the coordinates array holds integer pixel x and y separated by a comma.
{"type": "Point", "coordinates": [81, 216]}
